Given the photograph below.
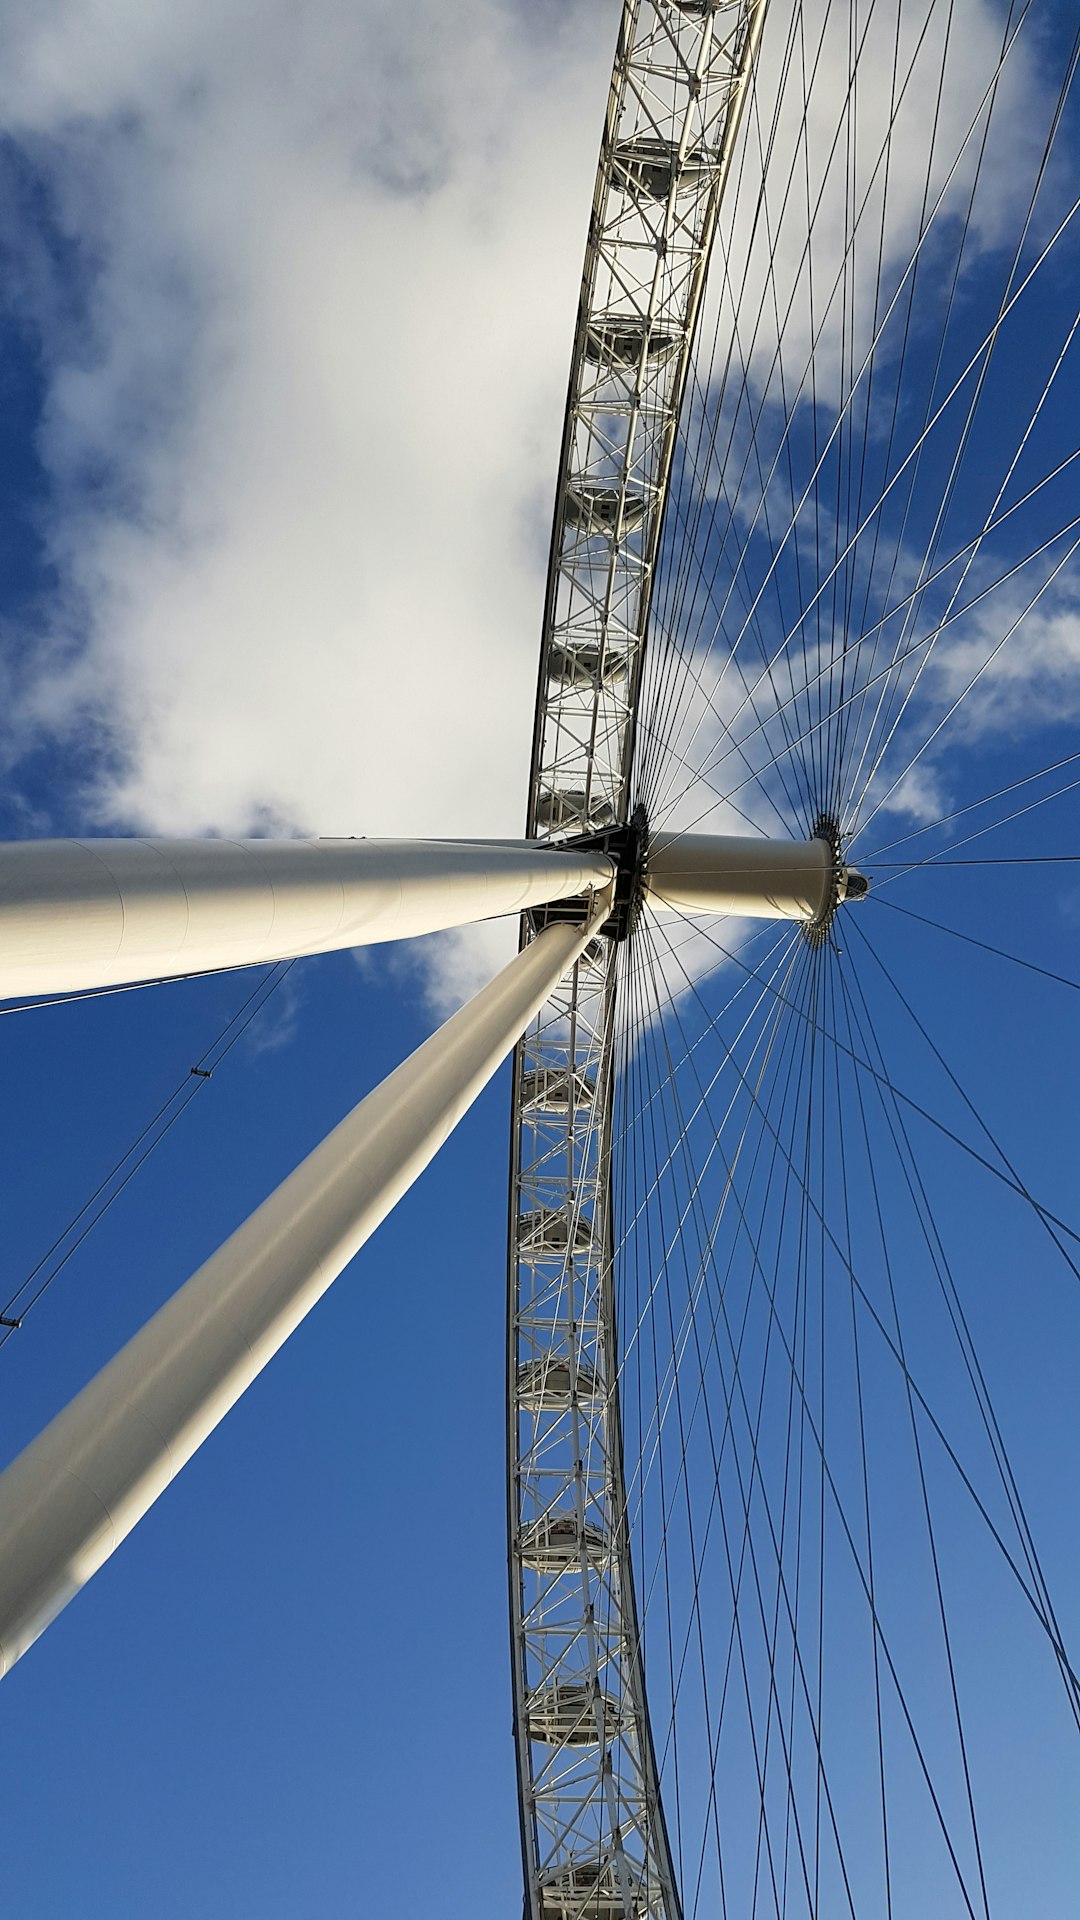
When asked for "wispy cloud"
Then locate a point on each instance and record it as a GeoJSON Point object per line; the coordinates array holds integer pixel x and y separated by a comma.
{"type": "Point", "coordinates": [304, 284]}
{"type": "Point", "coordinates": [831, 498]}
{"type": "Point", "coordinates": [303, 426]}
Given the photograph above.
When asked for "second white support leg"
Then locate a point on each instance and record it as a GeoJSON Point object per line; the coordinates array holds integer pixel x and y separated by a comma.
{"type": "Point", "coordinates": [74, 1493]}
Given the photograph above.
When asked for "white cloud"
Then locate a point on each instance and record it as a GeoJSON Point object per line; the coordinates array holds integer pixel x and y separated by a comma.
{"type": "Point", "coordinates": [1008, 670]}
{"type": "Point", "coordinates": [867, 161]}
{"type": "Point", "coordinates": [1032, 679]}
{"type": "Point", "coordinates": [920, 794]}
{"type": "Point", "coordinates": [306, 352]}
{"type": "Point", "coordinates": [448, 967]}
{"type": "Point", "coordinates": [734, 621]}
{"type": "Point", "coordinates": [305, 439]}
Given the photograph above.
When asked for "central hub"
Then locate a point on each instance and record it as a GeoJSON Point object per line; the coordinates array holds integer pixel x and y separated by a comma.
{"type": "Point", "coordinates": [627, 846]}
{"type": "Point", "coordinates": [740, 875]}
{"type": "Point", "coordinates": [846, 883]}
{"type": "Point", "coordinates": [751, 877]}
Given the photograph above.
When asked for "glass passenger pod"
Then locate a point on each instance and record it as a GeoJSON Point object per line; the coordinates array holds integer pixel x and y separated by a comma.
{"type": "Point", "coordinates": [548, 1233]}
{"type": "Point", "coordinates": [592, 508]}
{"type": "Point", "coordinates": [626, 340]}
{"type": "Point", "coordinates": [572, 1714]}
{"type": "Point", "coordinates": [557, 1089]}
{"type": "Point", "coordinates": [558, 1542]}
{"type": "Point", "coordinates": [585, 663]}
{"type": "Point", "coordinates": [593, 964]}
{"type": "Point", "coordinates": [592, 1890]}
{"type": "Point", "coordinates": [648, 168]}
{"type": "Point", "coordinates": [547, 1385]}
{"type": "Point", "coordinates": [558, 808]}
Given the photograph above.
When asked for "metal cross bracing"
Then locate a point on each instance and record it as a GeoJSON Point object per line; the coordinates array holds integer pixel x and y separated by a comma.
{"type": "Point", "coordinates": [679, 79]}
{"type": "Point", "coordinates": [592, 1828]}
{"type": "Point", "coordinates": [593, 1836]}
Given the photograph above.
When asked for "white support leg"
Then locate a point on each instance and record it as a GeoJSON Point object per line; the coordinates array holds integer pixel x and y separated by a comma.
{"type": "Point", "coordinates": [73, 1494]}
{"type": "Point", "coordinates": [76, 914]}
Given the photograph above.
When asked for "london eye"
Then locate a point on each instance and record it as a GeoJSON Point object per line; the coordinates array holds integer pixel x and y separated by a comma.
{"type": "Point", "coordinates": [792, 1304]}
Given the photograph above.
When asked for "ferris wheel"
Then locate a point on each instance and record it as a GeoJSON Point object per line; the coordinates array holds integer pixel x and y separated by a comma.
{"type": "Point", "coordinates": [791, 1190]}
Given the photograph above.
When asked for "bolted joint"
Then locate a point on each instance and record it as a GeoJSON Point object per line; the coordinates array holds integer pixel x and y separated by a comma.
{"type": "Point", "coordinates": [626, 845]}
{"type": "Point", "coordinates": [846, 883]}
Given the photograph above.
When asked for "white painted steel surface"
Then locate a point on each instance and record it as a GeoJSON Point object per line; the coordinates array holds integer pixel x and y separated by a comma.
{"type": "Point", "coordinates": [594, 1840]}
{"type": "Point", "coordinates": [725, 873]}
{"type": "Point", "coordinates": [76, 914]}
{"type": "Point", "coordinates": [76, 1491]}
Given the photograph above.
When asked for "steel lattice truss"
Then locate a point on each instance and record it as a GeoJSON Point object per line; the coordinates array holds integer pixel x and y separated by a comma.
{"type": "Point", "coordinates": [593, 1832]}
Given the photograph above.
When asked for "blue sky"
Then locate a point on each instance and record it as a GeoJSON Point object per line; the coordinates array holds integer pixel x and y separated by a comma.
{"type": "Point", "coordinates": [282, 357]}
{"type": "Point", "coordinates": [260, 1702]}
{"type": "Point", "coordinates": [297, 1691]}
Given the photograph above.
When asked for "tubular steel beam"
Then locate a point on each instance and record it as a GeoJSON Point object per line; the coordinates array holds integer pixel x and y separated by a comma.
{"type": "Point", "coordinates": [721, 873]}
{"type": "Point", "coordinates": [76, 1491]}
{"type": "Point", "coordinates": [76, 914]}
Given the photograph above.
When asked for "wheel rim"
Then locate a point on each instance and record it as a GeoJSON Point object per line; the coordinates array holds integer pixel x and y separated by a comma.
{"type": "Point", "coordinates": [818, 734]}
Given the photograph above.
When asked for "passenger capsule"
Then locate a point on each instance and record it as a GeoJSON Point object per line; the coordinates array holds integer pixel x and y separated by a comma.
{"type": "Point", "coordinates": [650, 167]}
{"type": "Point", "coordinates": [546, 1385]}
{"type": "Point", "coordinates": [557, 1542]}
{"type": "Point", "coordinates": [625, 340]}
{"type": "Point", "coordinates": [593, 964]}
{"type": "Point", "coordinates": [596, 509]}
{"type": "Point", "coordinates": [557, 1090]}
{"type": "Point", "coordinates": [572, 1714]}
{"type": "Point", "coordinates": [548, 1233]}
{"type": "Point", "coordinates": [585, 663]}
{"type": "Point", "coordinates": [593, 1890]}
{"type": "Point", "coordinates": [573, 808]}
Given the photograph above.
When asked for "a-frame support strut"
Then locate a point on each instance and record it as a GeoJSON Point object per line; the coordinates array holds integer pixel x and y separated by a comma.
{"type": "Point", "coordinates": [76, 1491]}
{"type": "Point", "coordinates": [90, 913]}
